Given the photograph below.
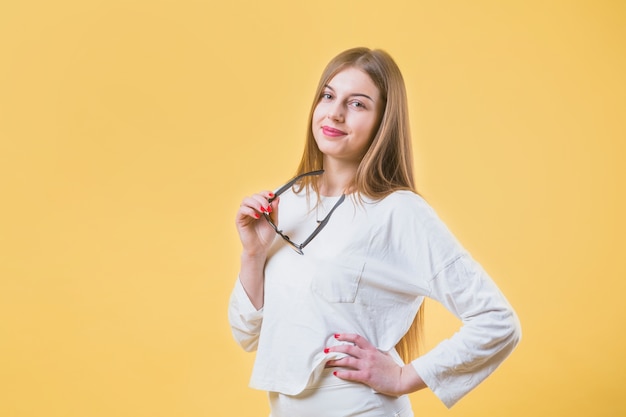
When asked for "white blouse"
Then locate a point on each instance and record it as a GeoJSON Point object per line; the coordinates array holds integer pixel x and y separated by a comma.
{"type": "Point", "coordinates": [367, 272]}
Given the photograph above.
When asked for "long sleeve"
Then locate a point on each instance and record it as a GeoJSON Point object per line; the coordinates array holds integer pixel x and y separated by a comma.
{"type": "Point", "coordinates": [367, 273]}
{"type": "Point", "coordinates": [489, 333]}
{"type": "Point", "coordinates": [245, 320]}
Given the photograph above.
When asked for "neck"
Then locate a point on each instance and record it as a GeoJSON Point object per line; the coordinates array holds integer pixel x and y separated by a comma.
{"type": "Point", "coordinates": [336, 179]}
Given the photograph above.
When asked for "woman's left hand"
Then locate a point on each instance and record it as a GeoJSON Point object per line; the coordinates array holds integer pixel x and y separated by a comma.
{"type": "Point", "coordinates": [368, 365]}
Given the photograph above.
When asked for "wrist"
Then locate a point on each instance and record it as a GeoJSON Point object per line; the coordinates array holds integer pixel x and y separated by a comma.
{"type": "Point", "coordinates": [410, 381]}
{"type": "Point", "coordinates": [251, 276]}
{"type": "Point", "coordinates": [253, 256]}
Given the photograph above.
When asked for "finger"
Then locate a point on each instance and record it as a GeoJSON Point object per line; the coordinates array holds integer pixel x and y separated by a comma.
{"type": "Point", "coordinates": [253, 207]}
{"type": "Point", "coordinates": [347, 362]}
{"type": "Point", "coordinates": [262, 205]}
{"type": "Point", "coordinates": [357, 339]}
{"type": "Point", "coordinates": [274, 210]}
{"type": "Point", "coordinates": [250, 206]}
{"type": "Point", "coordinates": [246, 215]}
{"type": "Point", "coordinates": [350, 375]}
{"type": "Point", "coordinates": [268, 196]}
{"type": "Point", "coordinates": [247, 212]}
{"type": "Point", "coordinates": [350, 350]}
{"type": "Point", "coordinates": [258, 202]}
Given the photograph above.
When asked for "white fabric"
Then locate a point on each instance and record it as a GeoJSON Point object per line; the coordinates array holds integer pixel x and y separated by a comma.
{"type": "Point", "coordinates": [368, 272]}
{"type": "Point", "coordinates": [337, 398]}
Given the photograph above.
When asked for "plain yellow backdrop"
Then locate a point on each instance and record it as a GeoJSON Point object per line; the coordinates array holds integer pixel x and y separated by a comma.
{"type": "Point", "coordinates": [131, 129]}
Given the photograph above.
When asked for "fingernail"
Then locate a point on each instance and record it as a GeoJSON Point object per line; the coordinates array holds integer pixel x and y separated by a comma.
{"type": "Point", "coordinates": [335, 373]}
{"type": "Point", "coordinates": [326, 350]}
{"type": "Point", "coordinates": [269, 209]}
{"type": "Point", "coordinates": [262, 209]}
{"type": "Point", "coordinates": [257, 216]}
{"type": "Point", "coordinates": [271, 194]}
{"type": "Point", "coordinates": [337, 335]}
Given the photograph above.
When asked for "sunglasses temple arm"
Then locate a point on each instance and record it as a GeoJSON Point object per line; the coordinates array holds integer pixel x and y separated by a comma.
{"type": "Point", "coordinates": [282, 190]}
{"type": "Point", "coordinates": [292, 182]}
{"type": "Point", "coordinates": [323, 222]}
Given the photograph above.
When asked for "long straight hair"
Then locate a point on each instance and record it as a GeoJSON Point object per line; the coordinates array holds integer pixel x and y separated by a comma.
{"type": "Point", "coordinates": [387, 166]}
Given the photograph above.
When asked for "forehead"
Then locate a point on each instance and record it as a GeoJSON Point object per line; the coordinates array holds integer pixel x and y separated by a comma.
{"type": "Point", "coordinates": [353, 81]}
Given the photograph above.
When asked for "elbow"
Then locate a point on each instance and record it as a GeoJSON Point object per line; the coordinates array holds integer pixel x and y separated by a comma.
{"type": "Point", "coordinates": [511, 330]}
{"type": "Point", "coordinates": [250, 346]}
{"type": "Point", "coordinates": [247, 341]}
{"type": "Point", "coordinates": [503, 331]}
{"type": "Point", "coordinates": [517, 330]}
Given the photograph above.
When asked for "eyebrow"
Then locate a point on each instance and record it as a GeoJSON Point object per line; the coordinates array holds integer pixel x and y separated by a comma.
{"type": "Point", "coordinates": [352, 94]}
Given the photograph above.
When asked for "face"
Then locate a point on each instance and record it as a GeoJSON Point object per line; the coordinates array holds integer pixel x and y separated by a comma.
{"type": "Point", "coordinates": [347, 116]}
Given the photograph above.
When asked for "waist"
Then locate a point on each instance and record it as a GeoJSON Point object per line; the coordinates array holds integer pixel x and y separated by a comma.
{"type": "Point", "coordinates": [330, 396]}
{"type": "Point", "coordinates": [327, 379]}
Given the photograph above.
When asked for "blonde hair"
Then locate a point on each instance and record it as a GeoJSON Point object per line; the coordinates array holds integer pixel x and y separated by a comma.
{"type": "Point", "coordinates": [387, 166]}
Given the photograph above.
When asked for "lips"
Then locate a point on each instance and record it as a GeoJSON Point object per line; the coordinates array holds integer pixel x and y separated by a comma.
{"type": "Point", "coordinates": [332, 132]}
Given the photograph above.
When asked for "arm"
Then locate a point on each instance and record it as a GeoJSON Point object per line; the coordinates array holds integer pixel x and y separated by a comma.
{"type": "Point", "coordinates": [251, 277]}
{"type": "Point", "coordinates": [368, 365]}
{"type": "Point", "coordinates": [245, 310]}
{"type": "Point", "coordinates": [428, 257]}
{"type": "Point", "coordinates": [244, 318]}
{"type": "Point", "coordinates": [256, 237]}
{"type": "Point", "coordinates": [489, 333]}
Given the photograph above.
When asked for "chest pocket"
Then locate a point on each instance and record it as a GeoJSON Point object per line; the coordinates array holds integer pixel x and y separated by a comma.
{"type": "Point", "coordinates": [337, 283]}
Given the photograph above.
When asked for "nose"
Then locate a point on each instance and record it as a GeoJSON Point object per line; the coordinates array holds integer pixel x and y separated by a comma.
{"type": "Point", "coordinates": [335, 112]}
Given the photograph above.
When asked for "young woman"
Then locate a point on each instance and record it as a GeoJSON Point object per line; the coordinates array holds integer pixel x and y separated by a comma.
{"type": "Point", "coordinates": [336, 264]}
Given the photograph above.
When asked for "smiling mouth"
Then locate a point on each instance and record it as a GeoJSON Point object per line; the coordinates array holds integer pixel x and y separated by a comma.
{"type": "Point", "coordinates": [329, 131]}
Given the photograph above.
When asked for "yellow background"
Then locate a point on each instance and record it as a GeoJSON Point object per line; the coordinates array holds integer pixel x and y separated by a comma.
{"type": "Point", "coordinates": [130, 130]}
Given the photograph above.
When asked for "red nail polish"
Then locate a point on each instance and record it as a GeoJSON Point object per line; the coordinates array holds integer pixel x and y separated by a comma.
{"type": "Point", "coordinates": [335, 373]}
{"type": "Point", "coordinates": [271, 195]}
{"type": "Point", "coordinates": [269, 209]}
{"type": "Point", "coordinates": [337, 335]}
{"type": "Point", "coordinates": [326, 350]}
{"type": "Point", "coordinates": [257, 216]}
{"type": "Point", "coordinates": [262, 209]}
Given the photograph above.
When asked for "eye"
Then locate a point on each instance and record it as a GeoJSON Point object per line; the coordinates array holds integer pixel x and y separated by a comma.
{"type": "Point", "coordinates": [326, 96]}
{"type": "Point", "coordinates": [357, 104]}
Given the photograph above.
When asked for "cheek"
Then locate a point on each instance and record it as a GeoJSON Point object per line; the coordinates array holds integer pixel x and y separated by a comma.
{"type": "Point", "coordinates": [370, 126]}
{"type": "Point", "coordinates": [316, 121]}
{"type": "Point", "coordinates": [374, 128]}
{"type": "Point", "coordinates": [319, 112]}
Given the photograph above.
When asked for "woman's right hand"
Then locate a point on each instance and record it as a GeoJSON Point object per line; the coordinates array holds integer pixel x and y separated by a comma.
{"type": "Point", "coordinates": [255, 233]}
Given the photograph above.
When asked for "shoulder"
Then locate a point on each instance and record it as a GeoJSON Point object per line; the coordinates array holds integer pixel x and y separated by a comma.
{"type": "Point", "coordinates": [407, 229]}
{"type": "Point", "coordinates": [402, 198]}
{"type": "Point", "coordinates": [404, 205]}
{"type": "Point", "coordinates": [408, 214]}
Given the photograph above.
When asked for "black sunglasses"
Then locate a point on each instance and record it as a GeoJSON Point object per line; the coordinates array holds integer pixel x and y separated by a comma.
{"type": "Point", "coordinates": [299, 246]}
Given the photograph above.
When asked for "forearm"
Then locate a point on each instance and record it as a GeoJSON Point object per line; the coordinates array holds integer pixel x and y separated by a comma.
{"type": "Point", "coordinates": [251, 277]}
{"type": "Point", "coordinates": [410, 381]}
{"type": "Point", "coordinates": [489, 333]}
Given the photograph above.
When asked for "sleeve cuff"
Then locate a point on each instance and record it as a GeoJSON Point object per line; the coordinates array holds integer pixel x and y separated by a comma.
{"type": "Point", "coordinates": [244, 304]}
